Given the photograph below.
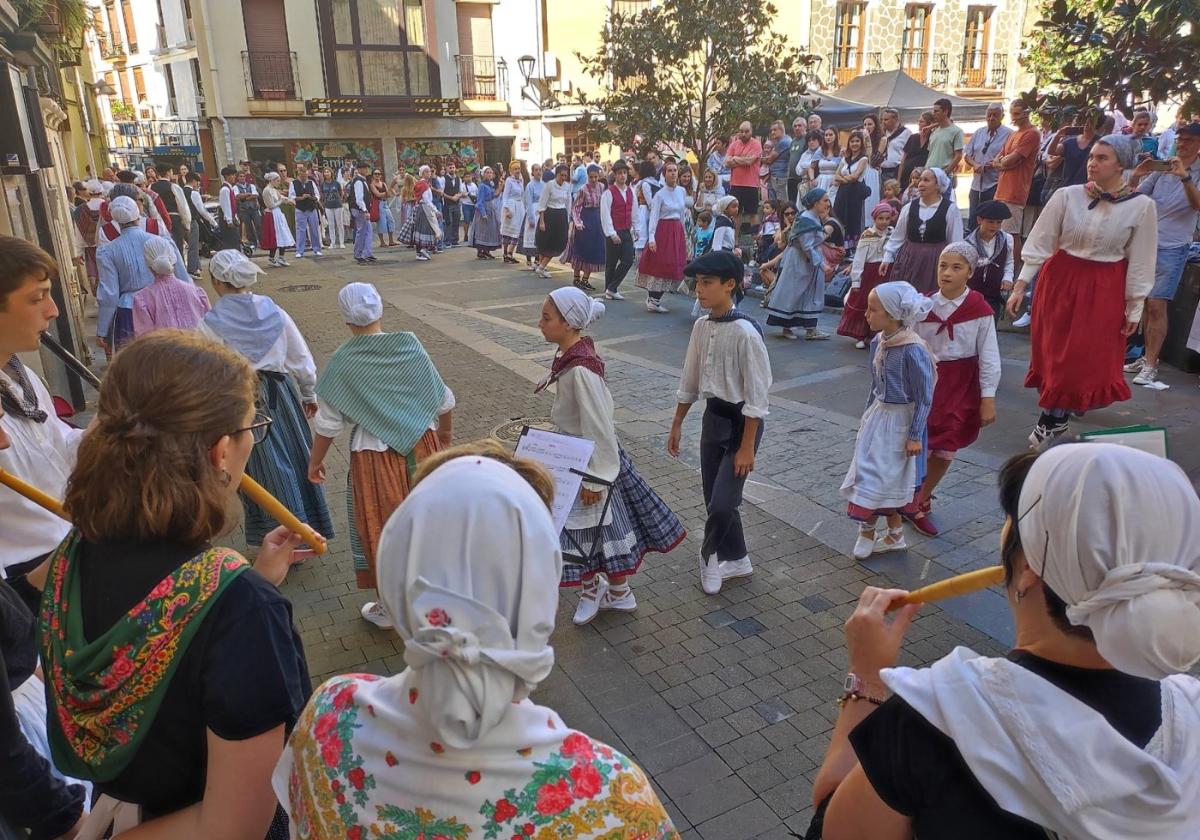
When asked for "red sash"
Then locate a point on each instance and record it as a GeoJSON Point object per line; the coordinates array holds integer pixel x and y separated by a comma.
{"type": "Point", "coordinates": [975, 306]}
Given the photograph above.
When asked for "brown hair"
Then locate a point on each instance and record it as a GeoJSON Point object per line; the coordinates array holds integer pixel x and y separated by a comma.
{"type": "Point", "coordinates": [538, 477]}
{"type": "Point", "coordinates": [143, 471]}
{"type": "Point", "coordinates": [20, 258]}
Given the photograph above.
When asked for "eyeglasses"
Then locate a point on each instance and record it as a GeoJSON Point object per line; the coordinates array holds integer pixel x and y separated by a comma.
{"type": "Point", "coordinates": [259, 428]}
{"type": "Point", "coordinates": [789, 213]}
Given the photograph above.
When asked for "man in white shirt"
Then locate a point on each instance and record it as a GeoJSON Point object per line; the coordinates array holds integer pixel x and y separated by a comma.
{"type": "Point", "coordinates": [35, 445]}
{"type": "Point", "coordinates": [200, 214]}
{"type": "Point", "coordinates": [230, 229]}
{"type": "Point", "coordinates": [360, 214]}
{"type": "Point", "coordinates": [896, 136]}
{"type": "Point", "coordinates": [618, 227]}
{"type": "Point", "coordinates": [983, 148]}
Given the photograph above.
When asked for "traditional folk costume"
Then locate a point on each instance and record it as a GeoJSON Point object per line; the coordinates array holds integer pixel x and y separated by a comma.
{"type": "Point", "coordinates": [533, 193]}
{"type": "Point", "coordinates": [512, 216]}
{"type": "Point", "coordinates": [276, 233]}
{"type": "Point", "coordinates": [726, 365]}
{"type": "Point", "coordinates": [618, 208]}
{"type": "Point", "coordinates": [168, 302]}
{"type": "Point", "coordinates": [918, 237]}
{"type": "Point", "coordinates": [661, 270]}
{"type": "Point", "coordinates": [485, 226]}
{"type": "Point", "coordinates": [1096, 256]}
{"type": "Point", "coordinates": [87, 221]}
{"type": "Point", "coordinates": [798, 294]}
{"type": "Point", "coordinates": [385, 388]}
{"type": "Point", "coordinates": [422, 230]}
{"type": "Point", "coordinates": [882, 479]}
{"type": "Point", "coordinates": [552, 215]}
{"type": "Point", "coordinates": [585, 247]}
{"type": "Point", "coordinates": [864, 276]}
{"type": "Point", "coordinates": [452, 747]}
{"type": "Point", "coordinates": [260, 330]}
{"type": "Point", "coordinates": [993, 261]}
{"type": "Point", "coordinates": [644, 190]}
{"type": "Point", "coordinates": [637, 521]}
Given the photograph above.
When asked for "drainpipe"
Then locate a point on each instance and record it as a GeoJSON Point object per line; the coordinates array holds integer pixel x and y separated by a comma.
{"type": "Point", "coordinates": [215, 87]}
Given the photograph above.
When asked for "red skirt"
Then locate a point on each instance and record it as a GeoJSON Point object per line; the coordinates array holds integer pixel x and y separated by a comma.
{"type": "Point", "coordinates": [854, 316]}
{"type": "Point", "coordinates": [268, 240]}
{"type": "Point", "coordinates": [1077, 348]}
{"type": "Point", "coordinates": [954, 421]}
{"type": "Point", "coordinates": [666, 262]}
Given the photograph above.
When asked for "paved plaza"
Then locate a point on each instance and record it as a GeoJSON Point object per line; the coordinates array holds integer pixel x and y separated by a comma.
{"type": "Point", "coordinates": [726, 701]}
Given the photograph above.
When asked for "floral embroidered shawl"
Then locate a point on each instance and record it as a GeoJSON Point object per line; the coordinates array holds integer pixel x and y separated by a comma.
{"type": "Point", "coordinates": [102, 696]}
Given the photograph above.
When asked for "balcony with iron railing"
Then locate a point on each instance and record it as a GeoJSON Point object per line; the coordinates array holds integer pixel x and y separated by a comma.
{"type": "Point", "coordinates": [851, 62]}
{"type": "Point", "coordinates": [629, 8]}
{"type": "Point", "coordinates": [271, 75]}
{"type": "Point", "coordinates": [482, 77]}
{"type": "Point", "coordinates": [939, 70]}
{"type": "Point", "coordinates": [974, 71]}
{"type": "Point", "coordinates": [145, 135]}
{"type": "Point", "coordinates": [913, 62]}
{"type": "Point", "coordinates": [111, 50]}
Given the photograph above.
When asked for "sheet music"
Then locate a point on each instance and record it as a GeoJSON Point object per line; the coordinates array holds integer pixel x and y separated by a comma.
{"type": "Point", "coordinates": [559, 454]}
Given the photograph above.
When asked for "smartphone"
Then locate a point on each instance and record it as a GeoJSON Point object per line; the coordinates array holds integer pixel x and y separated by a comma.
{"type": "Point", "coordinates": [1158, 165]}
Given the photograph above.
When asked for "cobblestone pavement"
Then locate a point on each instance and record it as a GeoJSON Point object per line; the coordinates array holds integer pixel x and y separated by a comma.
{"type": "Point", "coordinates": [726, 701]}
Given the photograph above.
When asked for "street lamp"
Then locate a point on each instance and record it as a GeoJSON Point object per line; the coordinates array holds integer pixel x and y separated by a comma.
{"type": "Point", "coordinates": [544, 98]}
{"type": "Point", "coordinates": [103, 88]}
{"type": "Point", "coordinates": [526, 63]}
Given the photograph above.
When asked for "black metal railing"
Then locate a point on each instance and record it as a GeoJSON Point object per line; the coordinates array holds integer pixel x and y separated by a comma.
{"type": "Point", "coordinates": [149, 134]}
{"type": "Point", "coordinates": [629, 8]}
{"type": "Point", "coordinates": [999, 75]}
{"type": "Point", "coordinates": [270, 75]}
{"type": "Point", "coordinates": [939, 72]}
{"type": "Point", "coordinates": [845, 64]}
{"type": "Point", "coordinates": [972, 69]}
{"type": "Point", "coordinates": [482, 77]}
{"type": "Point", "coordinates": [111, 50]}
{"type": "Point", "coordinates": [913, 62]}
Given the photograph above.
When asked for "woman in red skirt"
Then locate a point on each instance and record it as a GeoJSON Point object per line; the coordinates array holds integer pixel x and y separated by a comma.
{"type": "Point", "coordinates": [661, 267]}
{"type": "Point", "coordinates": [1093, 250]}
{"type": "Point", "coordinates": [864, 275]}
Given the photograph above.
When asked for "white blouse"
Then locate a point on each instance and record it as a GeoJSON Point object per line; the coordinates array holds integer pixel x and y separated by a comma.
{"type": "Point", "coordinates": [271, 197]}
{"type": "Point", "coordinates": [669, 203]}
{"type": "Point", "coordinates": [289, 354]}
{"type": "Point", "coordinates": [954, 226]}
{"type": "Point", "coordinates": [583, 406]}
{"type": "Point", "coordinates": [1108, 233]}
{"type": "Point", "coordinates": [976, 337]}
{"type": "Point", "coordinates": [329, 422]}
{"type": "Point", "coordinates": [729, 361]}
{"type": "Point", "coordinates": [869, 250]}
{"type": "Point", "coordinates": [555, 196]}
{"type": "Point", "coordinates": [989, 251]}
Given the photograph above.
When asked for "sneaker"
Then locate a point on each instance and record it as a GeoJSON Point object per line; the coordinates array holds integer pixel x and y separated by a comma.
{"type": "Point", "coordinates": [710, 575]}
{"type": "Point", "coordinates": [619, 598]}
{"type": "Point", "coordinates": [897, 543]}
{"type": "Point", "coordinates": [282, 262]}
{"type": "Point", "coordinates": [271, 261]}
{"type": "Point", "coordinates": [789, 335]}
{"type": "Point", "coordinates": [860, 345]}
{"type": "Point", "coordinates": [1147, 376]}
{"type": "Point", "coordinates": [590, 595]}
{"type": "Point", "coordinates": [317, 254]}
{"type": "Point", "coordinates": [654, 306]}
{"type": "Point", "coordinates": [864, 546]}
{"type": "Point", "coordinates": [299, 256]}
{"type": "Point", "coordinates": [921, 520]}
{"type": "Point", "coordinates": [613, 295]}
{"type": "Point", "coordinates": [1023, 321]}
{"type": "Point", "coordinates": [422, 256]}
{"type": "Point", "coordinates": [371, 259]}
{"type": "Point", "coordinates": [374, 612]}
{"type": "Point", "coordinates": [731, 569]}
{"type": "Point", "coordinates": [360, 261]}
{"type": "Point", "coordinates": [815, 335]}
{"type": "Point", "coordinates": [1136, 365]}
{"type": "Point", "coordinates": [1041, 435]}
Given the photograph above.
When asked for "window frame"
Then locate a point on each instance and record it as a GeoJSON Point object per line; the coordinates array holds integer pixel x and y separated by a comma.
{"type": "Point", "coordinates": [848, 58]}
{"type": "Point", "coordinates": [330, 47]}
{"type": "Point", "coordinates": [921, 66]}
{"type": "Point", "coordinates": [977, 31]}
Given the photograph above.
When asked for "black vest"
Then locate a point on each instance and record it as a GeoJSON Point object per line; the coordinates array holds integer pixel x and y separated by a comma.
{"type": "Point", "coordinates": [935, 227]}
{"type": "Point", "coordinates": [452, 185]}
{"type": "Point", "coordinates": [306, 194]}
{"type": "Point", "coordinates": [987, 278]}
{"type": "Point", "coordinates": [162, 188]}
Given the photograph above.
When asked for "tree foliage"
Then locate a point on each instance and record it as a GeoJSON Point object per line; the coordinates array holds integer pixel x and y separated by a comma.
{"type": "Point", "coordinates": [1121, 53]}
{"type": "Point", "coordinates": [683, 72]}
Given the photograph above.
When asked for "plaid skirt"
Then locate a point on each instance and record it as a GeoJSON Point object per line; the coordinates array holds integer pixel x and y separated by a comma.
{"type": "Point", "coordinates": [417, 231]}
{"type": "Point", "coordinates": [639, 523]}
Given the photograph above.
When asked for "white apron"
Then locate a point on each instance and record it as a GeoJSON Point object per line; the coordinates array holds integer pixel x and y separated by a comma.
{"type": "Point", "coordinates": [881, 476]}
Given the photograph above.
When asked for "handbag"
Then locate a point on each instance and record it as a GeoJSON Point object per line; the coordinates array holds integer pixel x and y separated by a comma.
{"type": "Point", "coordinates": [374, 209]}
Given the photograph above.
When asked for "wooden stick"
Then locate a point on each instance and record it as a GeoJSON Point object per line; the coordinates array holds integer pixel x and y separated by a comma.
{"type": "Point", "coordinates": [33, 494]}
{"type": "Point", "coordinates": [963, 584]}
{"type": "Point", "coordinates": [275, 509]}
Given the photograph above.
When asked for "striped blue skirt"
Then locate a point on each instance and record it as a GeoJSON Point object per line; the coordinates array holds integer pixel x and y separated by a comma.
{"type": "Point", "coordinates": [640, 523]}
{"type": "Point", "coordinates": [280, 462]}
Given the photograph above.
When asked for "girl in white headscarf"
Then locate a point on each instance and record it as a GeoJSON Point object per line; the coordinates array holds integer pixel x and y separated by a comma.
{"type": "Point", "coordinates": [604, 539]}
{"type": "Point", "coordinates": [922, 230]}
{"type": "Point", "coordinates": [452, 746]}
{"type": "Point", "coordinates": [276, 234]}
{"type": "Point", "coordinates": [1089, 727]}
{"type": "Point", "coordinates": [168, 302]}
{"type": "Point", "coordinates": [890, 450]}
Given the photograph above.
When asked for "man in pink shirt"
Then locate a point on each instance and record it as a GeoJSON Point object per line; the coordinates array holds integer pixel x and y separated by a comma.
{"type": "Point", "coordinates": [743, 158]}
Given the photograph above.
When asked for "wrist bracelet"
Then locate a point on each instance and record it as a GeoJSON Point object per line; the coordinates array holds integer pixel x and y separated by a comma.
{"type": "Point", "coordinates": [851, 696]}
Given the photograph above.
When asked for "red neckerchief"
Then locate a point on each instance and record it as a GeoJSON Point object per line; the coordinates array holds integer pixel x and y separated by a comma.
{"type": "Point", "coordinates": [581, 354]}
{"type": "Point", "coordinates": [420, 188]}
{"type": "Point", "coordinates": [973, 307]}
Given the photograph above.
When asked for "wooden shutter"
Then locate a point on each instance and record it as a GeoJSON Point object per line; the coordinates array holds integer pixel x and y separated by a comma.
{"type": "Point", "coordinates": [266, 26]}
{"type": "Point", "coordinates": [130, 30]}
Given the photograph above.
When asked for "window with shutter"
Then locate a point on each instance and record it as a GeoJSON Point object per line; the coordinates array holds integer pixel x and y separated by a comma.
{"type": "Point", "coordinates": [268, 53]}
{"type": "Point", "coordinates": [131, 39]}
{"type": "Point", "coordinates": [377, 48]}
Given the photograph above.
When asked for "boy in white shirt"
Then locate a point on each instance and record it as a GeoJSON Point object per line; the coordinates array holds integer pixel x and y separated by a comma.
{"type": "Point", "coordinates": [727, 364]}
{"type": "Point", "coordinates": [993, 275]}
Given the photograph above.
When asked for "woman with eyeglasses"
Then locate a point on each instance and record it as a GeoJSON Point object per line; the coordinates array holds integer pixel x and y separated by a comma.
{"type": "Point", "coordinates": [173, 672]}
{"type": "Point", "coordinates": [257, 328]}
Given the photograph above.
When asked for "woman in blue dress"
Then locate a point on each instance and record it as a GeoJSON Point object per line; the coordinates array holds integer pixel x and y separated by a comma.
{"type": "Point", "coordinates": [798, 295]}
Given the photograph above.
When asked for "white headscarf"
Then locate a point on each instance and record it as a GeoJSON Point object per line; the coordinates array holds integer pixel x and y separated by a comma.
{"type": "Point", "coordinates": [943, 180]}
{"type": "Point", "coordinates": [468, 569]}
{"type": "Point", "coordinates": [161, 255]}
{"type": "Point", "coordinates": [124, 210]}
{"type": "Point", "coordinates": [94, 187]}
{"type": "Point", "coordinates": [903, 302]}
{"type": "Point", "coordinates": [1115, 532]}
{"type": "Point", "coordinates": [577, 309]}
{"type": "Point", "coordinates": [360, 304]}
{"type": "Point", "coordinates": [722, 204]}
{"type": "Point", "coordinates": [234, 268]}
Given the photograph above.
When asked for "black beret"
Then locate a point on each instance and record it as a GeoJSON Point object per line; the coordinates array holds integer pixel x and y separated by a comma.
{"type": "Point", "coordinates": [723, 264]}
{"type": "Point", "coordinates": [995, 210]}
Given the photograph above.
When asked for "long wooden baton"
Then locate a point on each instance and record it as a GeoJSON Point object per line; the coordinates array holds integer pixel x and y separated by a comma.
{"type": "Point", "coordinates": [963, 584]}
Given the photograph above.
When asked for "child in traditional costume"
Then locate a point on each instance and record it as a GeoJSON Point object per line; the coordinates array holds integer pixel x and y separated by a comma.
{"type": "Point", "coordinates": [637, 520]}
{"type": "Point", "coordinates": [168, 302]}
{"type": "Point", "coordinates": [960, 331]}
{"type": "Point", "coordinates": [727, 365]}
{"type": "Point", "coordinates": [864, 274]}
{"type": "Point", "coordinates": [385, 388]}
{"type": "Point", "coordinates": [889, 452]}
{"type": "Point", "coordinates": [993, 274]}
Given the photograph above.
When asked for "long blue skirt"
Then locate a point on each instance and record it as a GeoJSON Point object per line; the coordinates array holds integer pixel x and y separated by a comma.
{"type": "Point", "coordinates": [280, 462]}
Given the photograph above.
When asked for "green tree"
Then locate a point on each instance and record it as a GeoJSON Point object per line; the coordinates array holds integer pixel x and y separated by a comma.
{"type": "Point", "coordinates": [684, 72]}
{"type": "Point", "coordinates": [1122, 53]}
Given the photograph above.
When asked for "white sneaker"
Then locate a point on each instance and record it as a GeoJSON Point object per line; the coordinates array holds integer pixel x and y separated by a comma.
{"type": "Point", "coordinates": [1146, 376]}
{"type": "Point", "coordinates": [789, 335]}
{"type": "Point", "coordinates": [731, 569]}
{"type": "Point", "coordinates": [815, 334]}
{"type": "Point", "coordinates": [299, 256]}
{"type": "Point", "coordinates": [271, 261]}
{"type": "Point", "coordinates": [1136, 365]}
{"type": "Point", "coordinates": [590, 596]}
{"type": "Point", "coordinates": [282, 262]}
{"type": "Point", "coordinates": [614, 295]}
{"type": "Point", "coordinates": [618, 598]}
{"type": "Point", "coordinates": [710, 575]}
{"type": "Point", "coordinates": [374, 612]}
{"type": "Point", "coordinates": [1023, 321]}
{"type": "Point", "coordinates": [654, 306]}
{"type": "Point", "coordinates": [882, 546]}
{"type": "Point", "coordinates": [422, 256]}
{"type": "Point", "coordinates": [860, 345]}
{"type": "Point", "coordinates": [317, 253]}
{"type": "Point", "coordinates": [864, 546]}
